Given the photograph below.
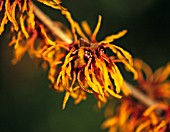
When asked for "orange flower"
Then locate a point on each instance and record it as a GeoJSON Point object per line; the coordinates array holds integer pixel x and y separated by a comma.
{"type": "Point", "coordinates": [154, 120]}
{"type": "Point", "coordinates": [87, 67]}
{"type": "Point", "coordinates": [22, 25]}
{"type": "Point", "coordinates": [126, 117]}
{"type": "Point", "coordinates": [154, 84]}
{"type": "Point", "coordinates": [24, 15]}
{"type": "Point", "coordinates": [131, 115]}
{"type": "Point", "coordinates": [76, 68]}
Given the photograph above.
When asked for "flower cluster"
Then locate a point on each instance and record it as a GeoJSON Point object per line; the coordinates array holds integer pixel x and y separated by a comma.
{"type": "Point", "coordinates": [19, 20]}
{"type": "Point", "coordinates": [132, 115]}
{"type": "Point", "coordinates": [156, 84]}
{"type": "Point", "coordinates": [76, 68]}
{"type": "Point", "coordinates": [87, 67]}
{"type": "Point", "coordinates": [21, 17]}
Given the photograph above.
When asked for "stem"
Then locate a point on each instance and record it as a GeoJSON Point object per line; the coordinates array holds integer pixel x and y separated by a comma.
{"type": "Point", "coordinates": [140, 96]}
{"type": "Point", "coordinates": [50, 24]}
{"type": "Point", "coordinates": [58, 32]}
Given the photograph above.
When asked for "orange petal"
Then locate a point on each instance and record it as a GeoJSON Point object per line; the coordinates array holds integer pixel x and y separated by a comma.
{"type": "Point", "coordinates": [67, 95]}
{"type": "Point", "coordinates": [111, 38]}
{"type": "Point", "coordinates": [86, 28]}
{"type": "Point", "coordinates": [142, 126]}
{"type": "Point", "coordinates": [162, 73]}
{"type": "Point", "coordinates": [22, 19]}
{"type": "Point", "coordinates": [96, 30]}
{"type": "Point", "coordinates": [3, 22]}
{"type": "Point", "coordinates": [9, 14]}
{"type": "Point", "coordinates": [110, 122]}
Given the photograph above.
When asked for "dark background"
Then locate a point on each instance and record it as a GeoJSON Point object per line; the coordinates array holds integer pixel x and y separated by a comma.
{"type": "Point", "coordinates": [27, 104]}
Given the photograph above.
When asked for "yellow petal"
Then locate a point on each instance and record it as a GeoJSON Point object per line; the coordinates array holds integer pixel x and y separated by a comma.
{"type": "Point", "coordinates": [161, 125]}
{"type": "Point", "coordinates": [13, 7]}
{"type": "Point", "coordinates": [63, 68]}
{"type": "Point", "coordinates": [3, 22]}
{"type": "Point", "coordinates": [22, 19]}
{"type": "Point", "coordinates": [111, 38]}
{"type": "Point", "coordinates": [49, 41]}
{"type": "Point", "coordinates": [154, 118]}
{"type": "Point", "coordinates": [74, 79]}
{"type": "Point", "coordinates": [9, 14]}
{"type": "Point", "coordinates": [81, 84]}
{"type": "Point", "coordinates": [117, 77]}
{"type": "Point", "coordinates": [110, 122]}
{"type": "Point", "coordinates": [67, 95]}
{"type": "Point", "coordinates": [130, 68]}
{"type": "Point", "coordinates": [88, 78]}
{"type": "Point", "coordinates": [68, 71]}
{"type": "Point", "coordinates": [99, 87]}
{"type": "Point", "coordinates": [86, 28]}
{"type": "Point", "coordinates": [126, 91]}
{"type": "Point", "coordinates": [124, 114]}
{"type": "Point", "coordinates": [96, 30]}
{"type": "Point", "coordinates": [24, 7]}
{"type": "Point", "coordinates": [124, 57]}
{"type": "Point", "coordinates": [113, 93]}
{"type": "Point", "coordinates": [154, 107]}
{"type": "Point", "coordinates": [142, 66]}
{"type": "Point", "coordinates": [52, 71]}
{"type": "Point", "coordinates": [31, 15]}
{"type": "Point", "coordinates": [118, 50]}
{"type": "Point", "coordinates": [162, 73]}
{"type": "Point", "coordinates": [142, 126]}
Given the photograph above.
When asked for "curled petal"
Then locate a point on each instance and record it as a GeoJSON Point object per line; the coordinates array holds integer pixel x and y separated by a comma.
{"type": "Point", "coordinates": [117, 77]}
{"type": "Point", "coordinates": [9, 14]}
{"type": "Point", "coordinates": [121, 53]}
{"type": "Point", "coordinates": [130, 68]}
{"type": "Point", "coordinates": [142, 66]}
{"type": "Point", "coordinates": [31, 15]}
{"type": "Point", "coordinates": [142, 126]}
{"type": "Point", "coordinates": [161, 125]}
{"type": "Point", "coordinates": [22, 20]}
{"type": "Point", "coordinates": [49, 41]}
{"type": "Point", "coordinates": [154, 107]}
{"type": "Point", "coordinates": [162, 73]}
{"type": "Point", "coordinates": [81, 84]}
{"type": "Point", "coordinates": [113, 93]}
{"type": "Point", "coordinates": [88, 78]}
{"type": "Point", "coordinates": [124, 57]}
{"type": "Point", "coordinates": [111, 38]}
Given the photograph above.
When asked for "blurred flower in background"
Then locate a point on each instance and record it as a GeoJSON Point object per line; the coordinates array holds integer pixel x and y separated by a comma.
{"type": "Point", "coordinates": [131, 115]}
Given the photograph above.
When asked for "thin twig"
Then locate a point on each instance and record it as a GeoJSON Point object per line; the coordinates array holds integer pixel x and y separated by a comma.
{"type": "Point", "coordinates": [50, 24]}
{"type": "Point", "coordinates": [140, 96]}
{"type": "Point", "coordinates": [58, 32]}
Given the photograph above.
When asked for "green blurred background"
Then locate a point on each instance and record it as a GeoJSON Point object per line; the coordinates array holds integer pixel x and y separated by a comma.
{"type": "Point", "coordinates": [27, 104]}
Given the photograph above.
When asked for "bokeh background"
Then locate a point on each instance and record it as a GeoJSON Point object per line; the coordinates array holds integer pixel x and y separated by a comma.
{"type": "Point", "coordinates": [27, 104]}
